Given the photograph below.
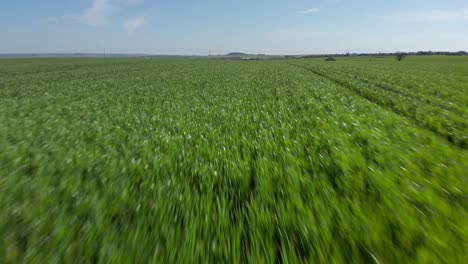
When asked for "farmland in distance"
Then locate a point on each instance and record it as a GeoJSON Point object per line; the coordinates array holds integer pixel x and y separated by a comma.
{"type": "Point", "coordinates": [131, 160]}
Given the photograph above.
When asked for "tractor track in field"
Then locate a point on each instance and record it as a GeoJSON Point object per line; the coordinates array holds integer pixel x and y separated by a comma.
{"type": "Point", "coordinates": [371, 100]}
{"type": "Point", "coordinates": [419, 98]}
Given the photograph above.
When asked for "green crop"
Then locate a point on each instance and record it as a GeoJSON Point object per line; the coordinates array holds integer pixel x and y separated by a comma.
{"type": "Point", "coordinates": [163, 161]}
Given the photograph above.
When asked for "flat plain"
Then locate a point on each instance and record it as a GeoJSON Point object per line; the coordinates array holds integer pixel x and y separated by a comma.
{"type": "Point", "coordinates": [151, 160]}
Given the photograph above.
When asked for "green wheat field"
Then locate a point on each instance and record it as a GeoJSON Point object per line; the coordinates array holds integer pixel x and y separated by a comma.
{"type": "Point", "coordinates": [362, 160]}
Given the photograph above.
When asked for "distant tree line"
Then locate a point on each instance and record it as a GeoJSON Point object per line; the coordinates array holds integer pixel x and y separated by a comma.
{"type": "Point", "coordinates": [447, 53]}
{"type": "Point", "coordinates": [401, 55]}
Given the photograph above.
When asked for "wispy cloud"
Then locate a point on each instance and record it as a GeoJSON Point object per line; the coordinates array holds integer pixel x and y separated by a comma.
{"type": "Point", "coordinates": [428, 16]}
{"type": "Point", "coordinates": [99, 12]}
{"type": "Point", "coordinates": [309, 11]}
{"type": "Point", "coordinates": [133, 24]}
{"type": "Point", "coordinates": [53, 19]}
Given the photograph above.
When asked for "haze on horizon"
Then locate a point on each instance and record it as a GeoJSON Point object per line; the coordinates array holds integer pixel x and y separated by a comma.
{"type": "Point", "coordinates": [183, 27]}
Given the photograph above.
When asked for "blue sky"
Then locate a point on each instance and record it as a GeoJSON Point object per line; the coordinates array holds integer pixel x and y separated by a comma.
{"type": "Point", "coordinates": [255, 26]}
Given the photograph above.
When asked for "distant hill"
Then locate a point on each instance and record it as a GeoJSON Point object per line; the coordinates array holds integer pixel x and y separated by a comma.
{"type": "Point", "coordinates": [237, 54]}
